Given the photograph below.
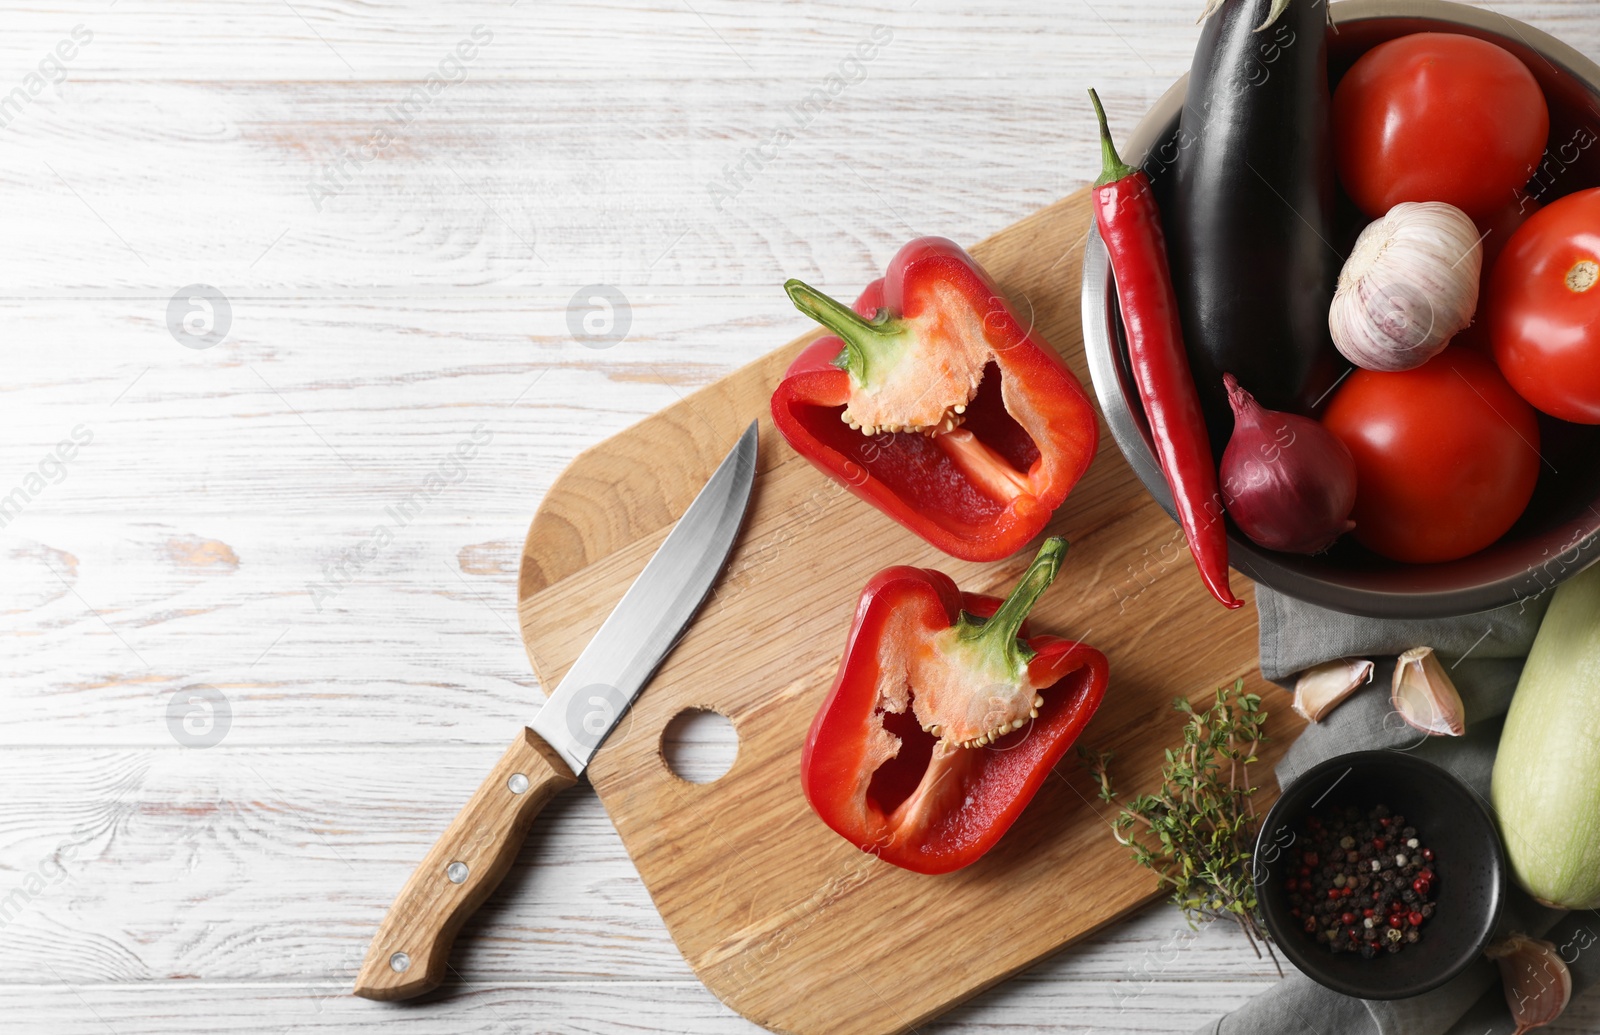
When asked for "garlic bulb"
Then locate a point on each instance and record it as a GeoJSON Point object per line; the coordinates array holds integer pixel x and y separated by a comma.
{"type": "Point", "coordinates": [1536, 979]}
{"type": "Point", "coordinates": [1409, 286]}
{"type": "Point", "coordinates": [1424, 695]}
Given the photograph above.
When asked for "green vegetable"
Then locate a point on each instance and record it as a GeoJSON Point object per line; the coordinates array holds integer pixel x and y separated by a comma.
{"type": "Point", "coordinates": [1198, 831]}
{"type": "Point", "coordinates": [1546, 787]}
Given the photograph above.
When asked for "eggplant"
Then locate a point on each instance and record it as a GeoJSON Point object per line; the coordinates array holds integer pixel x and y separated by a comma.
{"type": "Point", "coordinates": [1252, 210]}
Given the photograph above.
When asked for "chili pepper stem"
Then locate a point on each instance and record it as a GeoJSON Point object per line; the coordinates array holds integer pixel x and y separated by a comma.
{"type": "Point", "coordinates": [1112, 167]}
{"type": "Point", "coordinates": [999, 633]}
{"type": "Point", "coordinates": [869, 345]}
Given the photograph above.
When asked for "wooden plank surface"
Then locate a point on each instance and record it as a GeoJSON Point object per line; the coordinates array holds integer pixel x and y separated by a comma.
{"type": "Point", "coordinates": [234, 888]}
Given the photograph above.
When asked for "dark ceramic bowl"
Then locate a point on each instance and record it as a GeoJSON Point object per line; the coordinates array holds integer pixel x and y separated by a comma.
{"type": "Point", "coordinates": [1559, 534]}
{"type": "Point", "coordinates": [1469, 863]}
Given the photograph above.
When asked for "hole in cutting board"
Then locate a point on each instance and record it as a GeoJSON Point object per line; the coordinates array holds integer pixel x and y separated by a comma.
{"type": "Point", "coordinates": [699, 745]}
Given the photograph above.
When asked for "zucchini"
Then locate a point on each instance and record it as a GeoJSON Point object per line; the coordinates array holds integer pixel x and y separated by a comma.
{"type": "Point", "coordinates": [1546, 786]}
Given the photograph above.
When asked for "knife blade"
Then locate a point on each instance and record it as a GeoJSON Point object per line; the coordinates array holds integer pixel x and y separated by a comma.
{"type": "Point", "coordinates": [410, 953]}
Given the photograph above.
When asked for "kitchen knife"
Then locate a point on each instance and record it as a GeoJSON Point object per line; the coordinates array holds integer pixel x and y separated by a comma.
{"type": "Point", "coordinates": [410, 954]}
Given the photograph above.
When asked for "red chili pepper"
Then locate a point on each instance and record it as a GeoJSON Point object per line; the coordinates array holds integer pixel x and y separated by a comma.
{"type": "Point", "coordinates": [927, 669]}
{"type": "Point", "coordinates": [1130, 224]}
{"type": "Point", "coordinates": [934, 404]}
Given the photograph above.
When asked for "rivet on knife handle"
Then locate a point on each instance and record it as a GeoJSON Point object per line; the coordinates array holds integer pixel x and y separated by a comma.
{"type": "Point", "coordinates": [410, 954]}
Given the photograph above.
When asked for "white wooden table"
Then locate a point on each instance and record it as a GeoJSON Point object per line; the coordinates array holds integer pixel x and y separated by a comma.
{"type": "Point", "coordinates": [235, 713]}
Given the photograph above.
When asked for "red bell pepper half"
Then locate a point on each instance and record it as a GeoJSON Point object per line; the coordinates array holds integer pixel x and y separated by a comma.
{"type": "Point", "coordinates": [946, 716]}
{"type": "Point", "coordinates": [934, 404]}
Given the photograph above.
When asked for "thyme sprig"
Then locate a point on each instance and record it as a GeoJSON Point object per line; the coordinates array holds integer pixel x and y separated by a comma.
{"type": "Point", "coordinates": [1198, 831]}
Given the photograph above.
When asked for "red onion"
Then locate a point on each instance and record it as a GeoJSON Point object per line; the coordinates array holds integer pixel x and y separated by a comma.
{"type": "Point", "coordinates": [1288, 482]}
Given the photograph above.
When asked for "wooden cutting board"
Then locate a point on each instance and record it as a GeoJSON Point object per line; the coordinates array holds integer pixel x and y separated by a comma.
{"type": "Point", "coordinates": [784, 920]}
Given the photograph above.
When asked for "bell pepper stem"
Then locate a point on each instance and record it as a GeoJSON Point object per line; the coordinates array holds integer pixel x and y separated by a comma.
{"type": "Point", "coordinates": [867, 343]}
{"type": "Point", "coordinates": [1112, 167]}
{"type": "Point", "coordinates": [1000, 631]}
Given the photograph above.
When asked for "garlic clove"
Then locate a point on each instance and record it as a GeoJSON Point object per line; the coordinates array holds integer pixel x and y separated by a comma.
{"type": "Point", "coordinates": [1537, 983]}
{"type": "Point", "coordinates": [1424, 695]}
{"type": "Point", "coordinates": [1320, 688]}
{"type": "Point", "coordinates": [1409, 286]}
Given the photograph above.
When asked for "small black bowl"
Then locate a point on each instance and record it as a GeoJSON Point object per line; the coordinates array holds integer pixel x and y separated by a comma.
{"type": "Point", "coordinates": [1470, 868]}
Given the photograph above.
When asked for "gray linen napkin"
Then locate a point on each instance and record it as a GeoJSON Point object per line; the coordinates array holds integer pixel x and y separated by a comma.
{"type": "Point", "coordinates": [1484, 655]}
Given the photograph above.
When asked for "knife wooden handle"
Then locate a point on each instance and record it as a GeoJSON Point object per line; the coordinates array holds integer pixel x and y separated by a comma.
{"type": "Point", "coordinates": [411, 951]}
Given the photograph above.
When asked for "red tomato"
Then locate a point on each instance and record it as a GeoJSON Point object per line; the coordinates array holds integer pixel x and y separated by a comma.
{"type": "Point", "coordinates": [1446, 456]}
{"type": "Point", "coordinates": [1438, 117]}
{"type": "Point", "coordinates": [1500, 226]}
{"type": "Point", "coordinates": [1544, 309]}
{"type": "Point", "coordinates": [1497, 230]}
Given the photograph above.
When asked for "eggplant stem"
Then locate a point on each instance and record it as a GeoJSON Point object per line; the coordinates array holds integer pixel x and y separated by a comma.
{"type": "Point", "coordinates": [1273, 14]}
{"type": "Point", "coordinates": [1278, 7]}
